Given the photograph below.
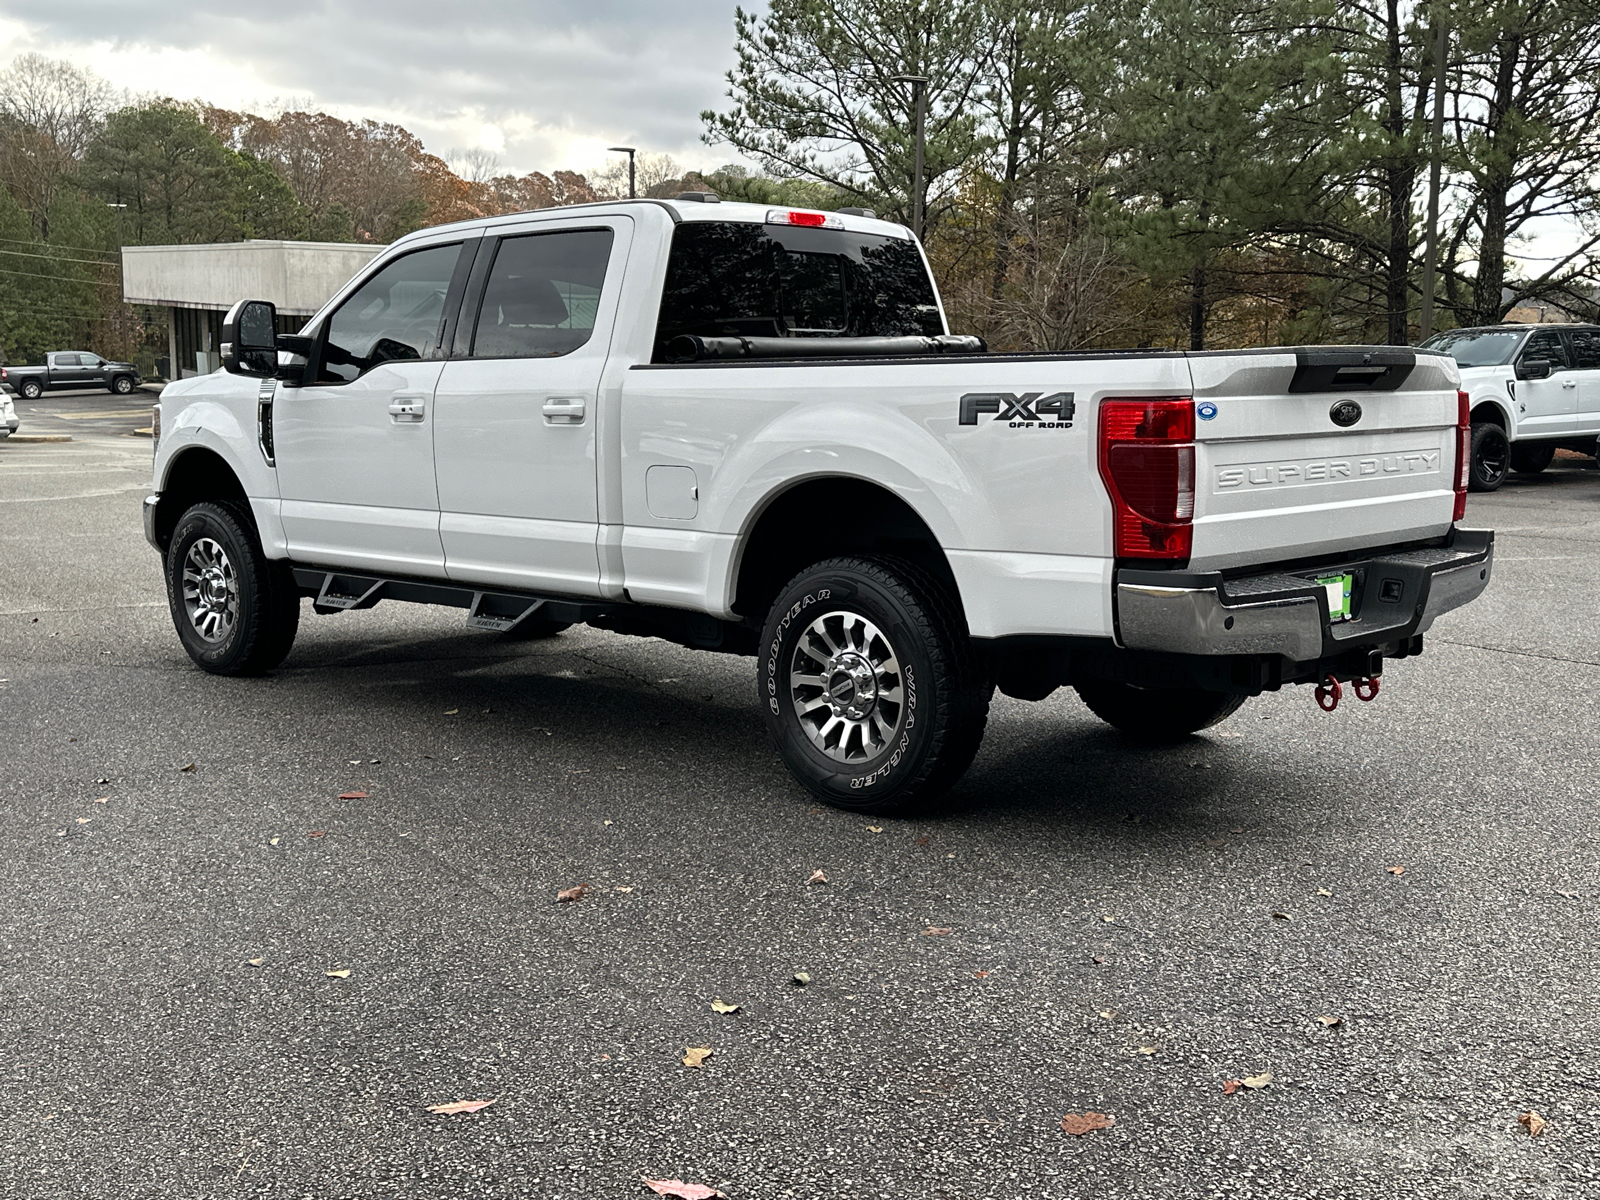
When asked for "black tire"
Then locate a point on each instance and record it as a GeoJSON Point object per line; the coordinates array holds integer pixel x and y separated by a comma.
{"type": "Point", "coordinates": [31, 390]}
{"type": "Point", "coordinates": [898, 631]}
{"type": "Point", "coordinates": [122, 385]}
{"type": "Point", "coordinates": [1156, 714]}
{"type": "Point", "coordinates": [1529, 458]}
{"type": "Point", "coordinates": [1490, 456]}
{"type": "Point", "coordinates": [535, 628]}
{"type": "Point", "coordinates": [248, 623]}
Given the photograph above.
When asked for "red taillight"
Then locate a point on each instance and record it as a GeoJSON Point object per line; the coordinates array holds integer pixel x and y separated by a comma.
{"type": "Point", "coordinates": [1463, 452]}
{"type": "Point", "coordinates": [1147, 463]}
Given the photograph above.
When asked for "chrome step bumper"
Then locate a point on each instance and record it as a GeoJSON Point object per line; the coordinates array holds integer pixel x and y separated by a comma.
{"type": "Point", "coordinates": [1396, 596]}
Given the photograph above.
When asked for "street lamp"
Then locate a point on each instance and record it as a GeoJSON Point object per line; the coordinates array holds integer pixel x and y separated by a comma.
{"type": "Point", "coordinates": [629, 151]}
{"type": "Point", "coordinates": [119, 208]}
{"type": "Point", "coordinates": [1432, 253]}
{"type": "Point", "coordinates": [919, 90]}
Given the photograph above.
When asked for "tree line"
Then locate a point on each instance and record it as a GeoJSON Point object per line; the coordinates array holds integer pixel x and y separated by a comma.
{"type": "Point", "coordinates": [1197, 173]}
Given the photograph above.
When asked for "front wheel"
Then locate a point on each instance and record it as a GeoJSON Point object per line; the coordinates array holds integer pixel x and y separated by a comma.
{"type": "Point", "coordinates": [870, 685]}
{"type": "Point", "coordinates": [31, 390]}
{"type": "Point", "coordinates": [1490, 456]}
{"type": "Point", "coordinates": [1529, 458]}
{"type": "Point", "coordinates": [122, 385]}
{"type": "Point", "coordinates": [236, 611]}
{"type": "Point", "coordinates": [1159, 714]}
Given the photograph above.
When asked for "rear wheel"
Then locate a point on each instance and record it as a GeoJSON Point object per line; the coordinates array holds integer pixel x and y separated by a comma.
{"type": "Point", "coordinates": [1529, 458]}
{"type": "Point", "coordinates": [1490, 457]}
{"type": "Point", "coordinates": [122, 385]}
{"type": "Point", "coordinates": [236, 611]}
{"type": "Point", "coordinates": [31, 389]}
{"type": "Point", "coordinates": [870, 685]}
{"type": "Point", "coordinates": [1156, 714]}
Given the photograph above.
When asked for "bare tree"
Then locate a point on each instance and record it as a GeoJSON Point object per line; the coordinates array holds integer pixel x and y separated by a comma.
{"type": "Point", "coordinates": [50, 111]}
{"type": "Point", "coordinates": [1068, 288]}
{"type": "Point", "coordinates": [476, 165]}
{"type": "Point", "coordinates": [650, 172]}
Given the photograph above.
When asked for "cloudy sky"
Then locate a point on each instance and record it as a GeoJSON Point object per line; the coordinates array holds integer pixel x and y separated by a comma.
{"type": "Point", "coordinates": [544, 84]}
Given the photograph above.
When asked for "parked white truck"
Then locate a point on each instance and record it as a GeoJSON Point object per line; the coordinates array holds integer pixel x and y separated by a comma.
{"type": "Point", "coordinates": [747, 429]}
{"type": "Point", "coordinates": [1533, 389]}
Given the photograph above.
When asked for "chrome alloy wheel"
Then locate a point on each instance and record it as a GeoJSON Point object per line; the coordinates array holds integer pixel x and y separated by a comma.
{"type": "Point", "coordinates": [210, 590]}
{"type": "Point", "coordinates": [846, 688]}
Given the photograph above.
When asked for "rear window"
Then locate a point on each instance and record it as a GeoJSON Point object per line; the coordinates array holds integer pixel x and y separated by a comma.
{"type": "Point", "coordinates": [1478, 348]}
{"type": "Point", "coordinates": [742, 280]}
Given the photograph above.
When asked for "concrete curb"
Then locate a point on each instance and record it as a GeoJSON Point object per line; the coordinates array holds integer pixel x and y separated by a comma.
{"type": "Point", "coordinates": [33, 438]}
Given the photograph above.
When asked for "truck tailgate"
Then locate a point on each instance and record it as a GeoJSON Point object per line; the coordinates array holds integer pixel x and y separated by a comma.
{"type": "Point", "coordinates": [1301, 453]}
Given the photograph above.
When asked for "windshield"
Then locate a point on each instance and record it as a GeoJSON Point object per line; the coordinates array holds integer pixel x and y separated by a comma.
{"type": "Point", "coordinates": [728, 279]}
{"type": "Point", "coordinates": [1478, 347]}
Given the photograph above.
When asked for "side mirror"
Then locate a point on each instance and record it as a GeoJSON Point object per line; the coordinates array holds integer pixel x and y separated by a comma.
{"type": "Point", "coordinates": [1534, 368]}
{"type": "Point", "coordinates": [250, 339]}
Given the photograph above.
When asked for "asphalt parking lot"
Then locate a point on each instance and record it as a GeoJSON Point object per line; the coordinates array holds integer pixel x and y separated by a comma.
{"type": "Point", "coordinates": [1126, 928]}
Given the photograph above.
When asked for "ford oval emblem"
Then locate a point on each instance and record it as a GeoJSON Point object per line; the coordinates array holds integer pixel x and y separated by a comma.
{"type": "Point", "coordinates": [1345, 413]}
{"type": "Point", "coordinates": [1206, 410]}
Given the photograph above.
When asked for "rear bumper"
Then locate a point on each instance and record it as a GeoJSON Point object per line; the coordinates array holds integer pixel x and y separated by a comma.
{"type": "Point", "coordinates": [1395, 597]}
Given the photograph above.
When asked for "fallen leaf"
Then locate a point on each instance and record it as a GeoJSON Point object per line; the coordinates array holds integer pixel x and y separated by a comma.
{"type": "Point", "coordinates": [255, 962]}
{"type": "Point", "coordinates": [460, 1106]}
{"type": "Point", "coordinates": [980, 974]}
{"type": "Point", "coordinates": [189, 769]}
{"type": "Point", "coordinates": [273, 842]}
{"type": "Point", "coordinates": [1395, 870]}
{"type": "Point", "coordinates": [816, 877]}
{"type": "Point", "coordinates": [801, 978]}
{"type": "Point", "coordinates": [722, 1006]}
{"type": "Point", "coordinates": [317, 833]}
{"type": "Point", "coordinates": [607, 822]}
{"type": "Point", "coordinates": [1230, 1086]}
{"type": "Point", "coordinates": [1109, 920]}
{"type": "Point", "coordinates": [1257, 1082]}
{"type": "Point", "coordinates": [341, 973]}
{"type": "Point", "coordinates": [1282, 916]}
{"type": "Point", "coordinates": [84, 820]}
{"type": "Point", "coordinates": [1098, 959]}
{"type": "Point", "coordinates": [1330, 1022]}
{"type": "Point", "coordinates": [923, 840]}
{"type": "Point", "coordinates": [1567, 894]}
{"type": "Point", "coordinates": [568, 895]}
{"type": "Point", "coordinates": [352, 795]}
{"type": "Point", "coordinates": [1534, 1122]}
{"type": "Point", "coordinates": [450, 712]}
{"type": "Point", "coordinates": [1108, 1014]}
{"type": "Point", "coordinates": [874, 828]}
{"type": "Point", "coordinates": [936, 931]}
{"type": "Point", "coordinates": [1324, 892]}
{"type": "Point", "coordinates": [103, 799]}
{"type": "Point", "coordinates": [682, 1190]}
{"type": "Point", "coordinates": [695, 1056]}
{"type": "Point", "coordinates": [1147, 1049]}
{"type": "Point", "coordinates": [625, 890]}
{"type": "Point", "coordinates": [1078, 1125]}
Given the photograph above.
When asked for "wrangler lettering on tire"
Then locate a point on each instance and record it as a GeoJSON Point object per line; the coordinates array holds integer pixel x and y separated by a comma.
{"type": "Point", "coordinates": [870, 685]}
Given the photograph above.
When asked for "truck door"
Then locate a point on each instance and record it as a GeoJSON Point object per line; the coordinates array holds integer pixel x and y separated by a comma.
{"type": "Point", "coordinates": [65, 370]}
{"type": "Point", "coordinates": [1584, 345]}
{"type": "Point", "coordinates": [1546, 407]}
{"type": "Point", "coordinates": [517, 406]}
{"type": "Point", "coordinates": [354, 443]}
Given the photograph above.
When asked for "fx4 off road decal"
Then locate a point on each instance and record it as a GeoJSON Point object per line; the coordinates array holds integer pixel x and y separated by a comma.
{"type": "Point", "coordinates": [1027, 411]}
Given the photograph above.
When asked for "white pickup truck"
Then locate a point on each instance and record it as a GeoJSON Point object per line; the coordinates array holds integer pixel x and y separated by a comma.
{"type": "Point", "coordinates": [747, 429]}
{"type": "Point", "coordinates": [1533, 389]}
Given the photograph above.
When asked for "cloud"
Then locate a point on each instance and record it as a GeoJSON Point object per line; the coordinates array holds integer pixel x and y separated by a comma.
{"type": "Point", "coordinates": [544, 85]}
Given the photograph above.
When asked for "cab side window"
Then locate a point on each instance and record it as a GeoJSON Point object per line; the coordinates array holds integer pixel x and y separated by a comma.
{"type": "Point", "coordinates": [542, 294]}
{"type": "Point", "coordinates": [1585, 349]}
{"type": "Point", "coordinates": [1546, 347]}
{"type": "Point", "coordinates": [395, 315]}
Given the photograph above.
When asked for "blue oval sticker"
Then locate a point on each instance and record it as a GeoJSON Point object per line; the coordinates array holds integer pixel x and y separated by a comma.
{"type": "Point", "coordinates": [1205, 410]}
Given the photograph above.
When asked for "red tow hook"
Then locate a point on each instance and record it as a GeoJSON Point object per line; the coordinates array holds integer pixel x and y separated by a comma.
{"type": "Point", "coordinates": [1329, 693]}
{"type": "Point", "coordinates": [1367, 687]}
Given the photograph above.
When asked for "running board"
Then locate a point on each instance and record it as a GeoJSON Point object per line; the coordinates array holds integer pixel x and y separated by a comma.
{"type": "Point", "coordinates": [344, 591]}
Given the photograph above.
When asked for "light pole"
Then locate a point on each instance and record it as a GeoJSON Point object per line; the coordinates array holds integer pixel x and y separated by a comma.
{"type": "Point", "coordinates": [919, 93]}
{"type": "Point", "coordinates": [629, 151]}
{"type": "Point", "coordinates": [1432, 251]}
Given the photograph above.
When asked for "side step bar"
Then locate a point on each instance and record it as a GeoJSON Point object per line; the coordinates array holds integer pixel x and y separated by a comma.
{"type": "Point", "coordinates": [342, 591]}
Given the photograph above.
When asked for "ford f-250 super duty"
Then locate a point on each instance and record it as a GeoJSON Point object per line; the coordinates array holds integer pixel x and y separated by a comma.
{"type": "Point", "coordinates": [747, 429]}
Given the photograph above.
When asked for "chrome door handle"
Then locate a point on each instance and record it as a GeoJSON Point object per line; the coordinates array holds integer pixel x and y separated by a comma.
{"type": "Point", "coordinates": [565, 409]}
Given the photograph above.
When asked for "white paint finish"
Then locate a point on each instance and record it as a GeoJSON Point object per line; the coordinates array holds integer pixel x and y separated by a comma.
{"type": "Point", "coordinates": [298, 277]}
{"type": "Point", "coordinates": [522, 552]}
{"type": "Point", "coordinates": [671, 493]}
{"type": "Point", "coordinates": [675, 567]}
{"type": "Point", "coordinates": [501, 455]}
{"type": "Point", "coordinates": [1007, 594]}
{"type": "Point", "coordinates": [353, 476]}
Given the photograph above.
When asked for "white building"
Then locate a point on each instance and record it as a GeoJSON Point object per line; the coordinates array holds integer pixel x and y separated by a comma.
{"type": "Point", "coordinates": [198, 284]}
